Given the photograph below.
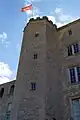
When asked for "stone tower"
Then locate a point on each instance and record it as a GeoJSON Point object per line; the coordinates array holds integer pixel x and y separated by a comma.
{"type": "Point", "coordinates": [38, 91]}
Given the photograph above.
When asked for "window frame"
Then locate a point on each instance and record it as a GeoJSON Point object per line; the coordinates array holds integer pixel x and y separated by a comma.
{"type": "Point", "coordinates": [72, 75]}
{"type": "Point", "coordinates": [35, 56]}
{"type": "Point", "coordinates": [33, 86]}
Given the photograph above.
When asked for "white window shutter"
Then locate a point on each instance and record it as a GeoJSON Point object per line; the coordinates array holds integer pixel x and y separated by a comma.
{"type": "Point", "coordinates": [76, 74]}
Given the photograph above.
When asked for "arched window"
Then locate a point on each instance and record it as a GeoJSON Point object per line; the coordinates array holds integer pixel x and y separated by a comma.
{"type": "Point", "coordinates": [1, 92]}
{"type": "Point", "coordinates": [12, 90]}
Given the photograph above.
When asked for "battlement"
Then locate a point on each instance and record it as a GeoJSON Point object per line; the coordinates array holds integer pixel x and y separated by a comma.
{"type": "Point", "coordinates": [39, 19]}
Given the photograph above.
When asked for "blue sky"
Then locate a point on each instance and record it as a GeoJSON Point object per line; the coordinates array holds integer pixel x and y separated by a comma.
{"type": "Point", "coordinates": [12, 22]}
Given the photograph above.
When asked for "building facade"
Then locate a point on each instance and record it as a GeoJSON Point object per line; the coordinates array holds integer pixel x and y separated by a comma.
{"type": "Point", "coordinates": [6, 98]}
{"type": "Point", "coordinates": [47, 86]}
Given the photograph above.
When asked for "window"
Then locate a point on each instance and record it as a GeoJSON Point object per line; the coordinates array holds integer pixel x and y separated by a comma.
{"type": "Point", "coordinates": [73, 49]}
{"type": "Point", "coordinates": [1, 92]}
{"type": "Point", "coordinates": [36, 34]}
{"type": "Point", "coordinates": [76, 48]}
{"type": "Point", "coordinates": [12, 90]}
{"type": "Point", "coordinates": [33, 86]}
{"type": "Point", "coordinates": [35, 56]}
{"type": "Point", "coordinates": [8, 116]}
{"type": "Point", "coordinates": [70, 32]}
{"type": "Point", "coordinates": [72, 75]}
{"type": "Point", "coordinates": [8, 113]}
{"type": "Point", "coordinates": [9, 107]}
{"type": "Point", "coordinates": [70, 50]}
{"type": "Point", "coordinates": [78, 73]}
{"type": "Point", "coordinates": [76, 109]}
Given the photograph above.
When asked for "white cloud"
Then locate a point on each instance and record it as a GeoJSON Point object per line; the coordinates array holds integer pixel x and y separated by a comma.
{"type": "Point", "coordinates": [61, 18]}
{"type": "Point", "coordinates": [5, 73]}
{"type": "Point", "coordinates": [3, 39]}
{"type": "Point", "coordinates": [52, 18]}
{"type": "Point", "coordinates": [4, 80]}
{"type": "Point", "coordinates": [34, 12]}
{"type": "Point", "coordinates": [58, 10]}
{"type": "Point", "coordinates": [5, 70]}
{"type": "Point", "coordinates": [58, 17]}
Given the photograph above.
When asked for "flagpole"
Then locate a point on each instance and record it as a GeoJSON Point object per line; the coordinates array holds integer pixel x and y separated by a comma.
{"type": "Point", "coordinates": [32, 12]}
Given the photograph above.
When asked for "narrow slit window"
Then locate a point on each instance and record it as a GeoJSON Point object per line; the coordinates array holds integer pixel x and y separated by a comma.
{"type": "Point", "coordinates": [70, 32]}
{"type": "Point", "coordinates": [70, 52]}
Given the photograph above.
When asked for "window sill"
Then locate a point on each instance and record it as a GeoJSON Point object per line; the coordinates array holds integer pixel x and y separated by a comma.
{"type": "Point", "coordinates": [71, 84]}
{"type": "Point", "coordinates": [74, 55]}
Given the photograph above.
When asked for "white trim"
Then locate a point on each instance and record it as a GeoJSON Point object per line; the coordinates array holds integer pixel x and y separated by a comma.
{"type": "Point", "coordinates": [68, 71]}
{"type": "Point", "coordinates": [76, 74]}
{"type": "Point", "coordinates": [72, 46]}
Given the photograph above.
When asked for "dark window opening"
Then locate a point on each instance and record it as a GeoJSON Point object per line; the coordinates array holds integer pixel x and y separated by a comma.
{"type": "Point", "coordinates": [35, 56]}
{"type": "Point", "coordinates": [70, 50]}
{"type": "Point", "coordinates": [12, 90]}
{"type": "Point", "coordinates": [1, 92]}
{"type": "Point", "coordinates": [70, 32]}
{"type": "Point", "coordinates": [33, 86]}
{"type": "Point", "coordinates": [72, 75]}
{"type": "Point", "coordinates": [76, 48]}
{"type": "Point", "coordinates": [36, 34]}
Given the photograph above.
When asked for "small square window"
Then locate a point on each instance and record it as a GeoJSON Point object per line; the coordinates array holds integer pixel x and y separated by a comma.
{"type": "Point", "coordinates": [35, 56]}
{"type": "Point", "coordinates": [70, 32]}
{"type": "Point", "coordinates": [36, 34]}
{"type": "Point", "coordinates": [33, 86]}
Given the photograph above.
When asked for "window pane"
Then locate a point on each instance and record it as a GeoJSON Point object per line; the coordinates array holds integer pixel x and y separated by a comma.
{"type": "Point", "coordinates": [9, 106]}
{"type": "Point", "coordinates": [76, 48]}
{"type": "Point", "coordinates": [76, 109]}
{"type": "Point", "coordinates": [33, 86]}
{"type": "Point", "coordinates": [8, 116]}
{"type": "Point", "coordinates": [78, 73]}
{"type": "Point", "coordinates": [69, 50]}
{"type": "Point", "coordinates": [72, 75]}
{"type": "Point", "coordinates": [35, 56]}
